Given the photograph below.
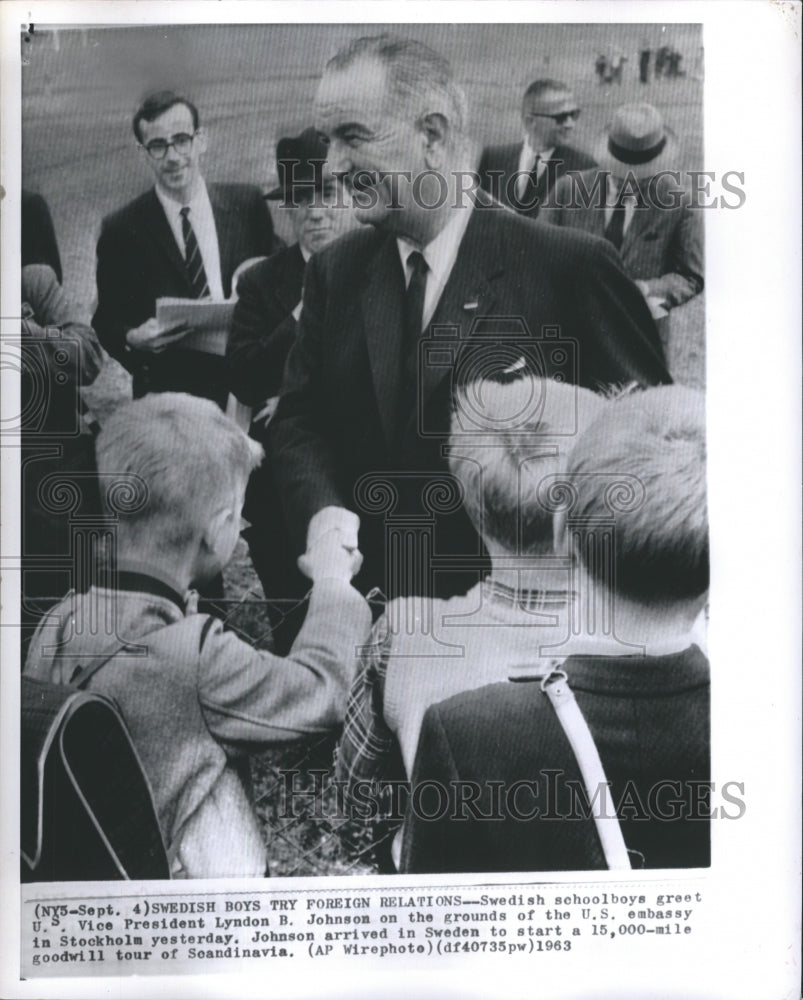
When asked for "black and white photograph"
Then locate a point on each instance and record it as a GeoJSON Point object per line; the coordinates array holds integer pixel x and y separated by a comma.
{"type": "Point", "coordinates": [373, 502]}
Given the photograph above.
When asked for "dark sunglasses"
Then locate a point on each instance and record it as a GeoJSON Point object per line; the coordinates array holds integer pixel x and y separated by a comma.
{"type": "Point", "coordinates": [560, 118]}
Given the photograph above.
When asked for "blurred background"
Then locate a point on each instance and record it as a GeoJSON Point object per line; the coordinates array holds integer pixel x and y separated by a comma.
{"type": "Point", "coordinates": [254, 83]}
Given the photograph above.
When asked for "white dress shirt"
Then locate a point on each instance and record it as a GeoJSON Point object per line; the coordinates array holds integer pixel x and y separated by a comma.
{"type": "Point", "coordinates": [440, 255]}
{"type": "Point", "coordinates": [203, 225]}
{"type": "Point", "coordinates": [527, 160]}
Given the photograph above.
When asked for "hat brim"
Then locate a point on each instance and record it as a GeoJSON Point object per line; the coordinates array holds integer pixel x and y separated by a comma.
{"type": "Point", "coordinates": [667, 159]}
{"type": "Point", "coordinates": [275, 195]}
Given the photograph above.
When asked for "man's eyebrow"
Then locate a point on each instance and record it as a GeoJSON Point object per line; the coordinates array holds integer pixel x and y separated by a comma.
{"type": "Point", "coordinates": [344, 127]}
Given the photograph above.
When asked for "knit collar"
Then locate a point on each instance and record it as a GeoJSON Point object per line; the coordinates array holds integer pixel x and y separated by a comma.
{"type": "Point", "coordinates": [527, 600]}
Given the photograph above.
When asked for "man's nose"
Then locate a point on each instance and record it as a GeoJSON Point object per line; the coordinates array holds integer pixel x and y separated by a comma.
{"type": "Point", "coordinates": [316, 208]}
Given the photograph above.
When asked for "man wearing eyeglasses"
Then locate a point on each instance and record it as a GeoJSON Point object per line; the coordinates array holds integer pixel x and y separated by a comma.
{"type": "Point", "coordinates": [521, 175]}
{"type": "Point", "coordinates": [182, 238]}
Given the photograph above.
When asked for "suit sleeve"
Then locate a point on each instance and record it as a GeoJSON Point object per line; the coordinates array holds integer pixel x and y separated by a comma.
{"type": "Point", "coordinates": [433, 841]}
{"type": "Point", "coordinates": [683, 278]}
{"type": "Point", "coordinates": [120, 305]}
{"type": "Point", "coordinates": [617, 340]}
{"type": "Point", "coordinates": [303, 456]}
{"type": "Point", "coordinates": [260, 339]}
{"type": "Point", "coordinates": [253, 696]}
{"type": "Point", "coordinates": [39, 244]}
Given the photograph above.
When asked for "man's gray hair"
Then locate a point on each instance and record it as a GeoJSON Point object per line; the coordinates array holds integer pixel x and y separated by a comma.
{"type": "Point", "coordinates": [417, 75]}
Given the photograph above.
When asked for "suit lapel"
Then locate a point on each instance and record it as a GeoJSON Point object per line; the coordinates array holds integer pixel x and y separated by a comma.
{"type": "Point", "coordinates": [643, 220]}
{"type": "Point", "coordinates": [469, 293]}
{"type": "Point", "coordinates": [382, 304]}
{"type": "Point", "coordinates": [289, 285]}
{"type": "Point", "coordinates": [511, 167]}
{"type": "Point", "coordinates": [227, 223]}
{"type": "Point", "coordinates": [158, 228]}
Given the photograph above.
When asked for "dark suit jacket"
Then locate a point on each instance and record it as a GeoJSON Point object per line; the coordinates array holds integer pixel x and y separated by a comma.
{"type": "Point", "coordinates": [339, 414]}
{"type": "Point", "coordinates": [263, 328]}
{"type": "Point", "coordinates": [262, 332]}
{"type": "Point", "coordinates": [39, 245]}
{"type": "Point", "coordinates": [139, 261]}
{"type": "Point", "coordinates": [506, 160]}
{"type": "Point", "coordinates": [662, 246]}
{"type": "Point", "coordinates": [649, 717]}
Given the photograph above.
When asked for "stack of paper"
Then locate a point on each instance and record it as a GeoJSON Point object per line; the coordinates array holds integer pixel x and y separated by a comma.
{"type": "Point", "coordinates": [209, 323]}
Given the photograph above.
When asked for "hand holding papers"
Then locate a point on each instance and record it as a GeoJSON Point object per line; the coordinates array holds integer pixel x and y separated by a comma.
{"type": "Point", "coordinates": [148, 336]}
{"type": "Point", "coordinates": [206, 324]}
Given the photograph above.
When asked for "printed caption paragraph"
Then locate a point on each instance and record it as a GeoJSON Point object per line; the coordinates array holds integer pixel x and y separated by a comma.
{"type": "Point", "coordinates": [217, 932]}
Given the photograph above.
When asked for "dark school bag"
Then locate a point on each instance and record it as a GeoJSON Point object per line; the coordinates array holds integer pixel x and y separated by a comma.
{"type": "Point", "coordinates": [86, 807]}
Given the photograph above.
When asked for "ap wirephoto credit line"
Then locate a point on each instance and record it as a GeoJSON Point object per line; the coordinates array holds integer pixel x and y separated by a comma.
{"type": "Point", "coordinates": [369, 481]}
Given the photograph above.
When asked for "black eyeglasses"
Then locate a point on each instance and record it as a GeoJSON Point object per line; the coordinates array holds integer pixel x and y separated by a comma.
{"type": "Point", "coordinates": [182, 143]}
{"type": "Point", "coordinates": [560, 118]}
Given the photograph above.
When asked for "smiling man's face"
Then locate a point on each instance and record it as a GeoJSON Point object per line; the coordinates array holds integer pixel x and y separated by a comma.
{"type": "Point", "coordinates": [368, 134]}
{"type": "Point", "coordinates": [177, 172]}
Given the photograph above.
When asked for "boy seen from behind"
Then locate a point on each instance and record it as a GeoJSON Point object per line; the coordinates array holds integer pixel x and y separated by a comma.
{"type": "Point", "coordinates": [636, 525]}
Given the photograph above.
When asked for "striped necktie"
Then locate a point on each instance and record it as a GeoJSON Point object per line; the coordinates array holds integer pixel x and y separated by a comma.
{"type": "Point", "coordinates": [192, 258]}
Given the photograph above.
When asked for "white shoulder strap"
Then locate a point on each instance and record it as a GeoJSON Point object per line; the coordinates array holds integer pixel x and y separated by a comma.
{"type": "Point", "coordinates": [556, 687]}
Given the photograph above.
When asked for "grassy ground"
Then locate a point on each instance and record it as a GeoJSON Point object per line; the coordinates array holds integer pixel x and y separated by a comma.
{"type": "Point", "coordinates": [254, 83]}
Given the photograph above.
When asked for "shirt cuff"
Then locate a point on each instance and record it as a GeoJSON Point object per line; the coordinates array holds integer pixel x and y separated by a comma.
{"type": "Point", "coordinates": [331, 519]}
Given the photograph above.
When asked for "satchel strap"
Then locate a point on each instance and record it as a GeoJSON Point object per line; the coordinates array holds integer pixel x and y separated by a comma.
{"type": "Point", "coordinates": [81, 675]}
{"type": "Point", "coordinates": [556, 687]}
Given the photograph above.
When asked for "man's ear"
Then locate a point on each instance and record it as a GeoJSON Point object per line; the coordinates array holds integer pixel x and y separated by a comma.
{"type": "Point", "coordinates": [216, 530]}
{"type": "Point", "coordinates": [201, 141]}
{"type": "Point", "coordinates": [435, 128]}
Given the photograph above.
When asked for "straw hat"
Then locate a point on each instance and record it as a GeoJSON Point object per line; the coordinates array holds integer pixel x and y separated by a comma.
{"type": "Point", "coordinates": [637, 141]}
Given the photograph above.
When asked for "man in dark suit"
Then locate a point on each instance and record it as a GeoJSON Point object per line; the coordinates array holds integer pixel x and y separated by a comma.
{"type": "Point", "coordinates": [635, 202]}
{"type": "Point", "coordinates": [263, 330]}
{"type": "Point", "coordinates": [179, 239]}
{"type": "Point", "coordinates": [435, 289]}
{"type": "Point", "coordinates": [521, 175]}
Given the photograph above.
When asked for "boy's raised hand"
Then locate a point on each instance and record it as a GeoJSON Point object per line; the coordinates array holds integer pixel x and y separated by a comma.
{"type": "Point", "coordinates": [329, 558]}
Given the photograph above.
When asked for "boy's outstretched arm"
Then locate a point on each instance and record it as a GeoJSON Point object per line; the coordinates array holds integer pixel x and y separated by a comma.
{"type": "Point", "coordinates": [254, 696]}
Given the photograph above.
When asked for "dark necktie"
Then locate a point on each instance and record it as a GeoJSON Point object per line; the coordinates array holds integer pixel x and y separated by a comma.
{"type": "Point", "coordinates": [413, 323]}
{"type": "Point", "coordinates": [192, 257]}
{"type": "Point", "coordinates": [615, 230]}
{"type": "Point", "coordinates": [528, 190]}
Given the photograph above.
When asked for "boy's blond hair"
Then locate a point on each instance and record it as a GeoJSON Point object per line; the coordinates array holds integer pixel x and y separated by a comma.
{"type": "Point", "coordinates": [188, 458]}
{"type": "Point", "coordinates": [657, 437]}
{"type": "Point", "coordinates": [507, 441]}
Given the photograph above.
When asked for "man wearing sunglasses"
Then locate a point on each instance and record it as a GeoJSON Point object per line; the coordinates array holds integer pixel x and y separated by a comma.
{"type": "Point", "coordinates": [521, 175]}
{"type": "Point", "coordinates": [182, 238]}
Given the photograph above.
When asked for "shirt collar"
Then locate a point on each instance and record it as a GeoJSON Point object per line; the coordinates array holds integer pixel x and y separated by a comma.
{"type": "Point", "coordinates": [140, 577]}
{"type": "Point", "coordinates": [441, 252]}
{"type": "Point", "coordinates": [197, 203]}
{"type": "Point", "coordinates": [528, 600]}
{"type": "Point", "coordinates": [545, 154]}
